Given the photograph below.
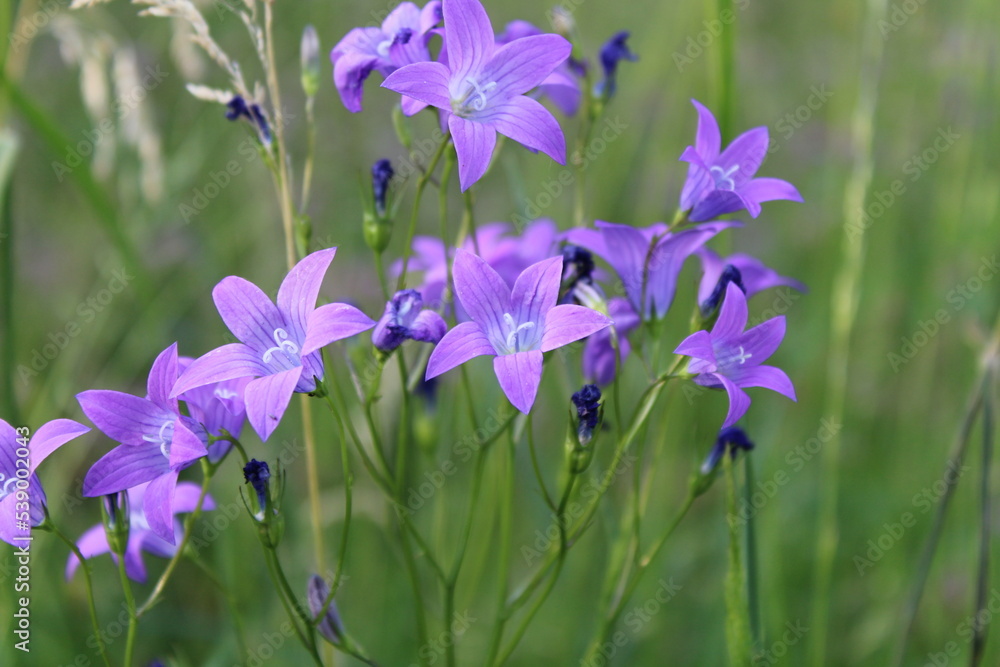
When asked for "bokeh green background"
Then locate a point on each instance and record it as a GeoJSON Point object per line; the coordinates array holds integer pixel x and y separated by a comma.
{"type": "Point", "coordinates": [940, 72]}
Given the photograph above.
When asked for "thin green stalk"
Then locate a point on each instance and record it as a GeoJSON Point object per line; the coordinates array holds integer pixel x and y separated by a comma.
{"type": "Point", "coordinates": [207, 470]}
{"type": "Point", "coordinates": [551, 504]}
{"type": "Point", "coordinates": [844, 308]}
{"type": "Point", "coordinates": [752, 569]}
{"type": "Point", "coordinates": [412, 229]}
{"type": "Point", "coordinates": [88, 581]}
{"type": "Point", "coordinates": [983, 576]}
{"type": "Point", "coordinates": [7, 273]}
{"type": "Point", "coordinates": [307, 169]}
{"type": "Point", "coordinates": [505, 510]}
{"type": "Point", "coordinates": [737, 614]}
{"type": "Point", "coordinates": [133, 620]}
{"type": "Point", "coordinates": [295, 615]}
{"type": "Point", "coordinates": [725, 77]}
{"type": "Point", "coordinates": [234, 608]}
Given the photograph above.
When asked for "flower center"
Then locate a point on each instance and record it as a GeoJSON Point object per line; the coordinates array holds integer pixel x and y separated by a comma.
{"type": "Point", "coordinates": [164, 437]}
{"type": "Point", "coordinates": [723, 178]}
{"type": "Point", "coordinates": [282, 344]}
{"type": "Point", "coordinates": [514, 329]}
{"type": "Point", "coordinates": [475, 98]}
{"type": "Point", "coordinates": [739, 358]}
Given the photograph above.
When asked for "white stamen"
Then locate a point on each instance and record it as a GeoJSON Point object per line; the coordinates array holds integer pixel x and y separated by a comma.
{"type": "Point", "coordinates": [225, 394]}
{"type": "Point", "coordinates": [514, 329]}
{"type": "Point", "coordinates": [282, 345]}
{"type": "Point", "coordinates": [723, 179]}
{"type": "Point", "coordinates": [163, 438]}
{"type": "Point", "coordinates": [383, 48]}
{"type": "Point", "coordinates": [480, 102]}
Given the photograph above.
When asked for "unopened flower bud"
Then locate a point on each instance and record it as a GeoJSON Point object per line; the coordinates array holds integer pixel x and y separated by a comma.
{"type": "Point", "coordinates": [729, 275]}
{"type": "Point", "coordinates": [614, 51]}
{"type": "Point", "coordinates": [116, 521]}
{"type": "Point", "coordinates": [329, 626]}
{"type": "Point", "coordinates": [731, 439]}
{"type": "Point", "coordinates": [309, 58]}
{"type": "Point", "coordinates": [257, 475]}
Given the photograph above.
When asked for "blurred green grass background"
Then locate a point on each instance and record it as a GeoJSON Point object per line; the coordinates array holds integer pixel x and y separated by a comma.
{"type": "Point", "coordinates": [940, 73]}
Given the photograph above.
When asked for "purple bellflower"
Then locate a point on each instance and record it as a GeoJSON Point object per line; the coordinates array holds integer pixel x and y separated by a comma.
{"type": "Point", "coordinates": [648, 260]}
{"type": "Point", "coordinates": [729, 358]}
{"type": "Point", "coordinates": [48, 438]}
{"type": "Point", "coordinates": [280, 344]}
{"type": "Point", "coordinates": [406, 319]}
{"type": "Point", "coordinates": [483, 88]}
{"type": "Point", "coordinates": [756, 277]}
{"type": "Point", "coordinates": [719, 183]}
{"type": "Point", "coordinates": [562, 86]}
{"type": "Point", "coordinates": [401, 40]}
{"type": "Point", "coordinates": [141, 537]}
{"type": "Point", "coordinates": [218, 407]}
{"type": "Point", "coordinates": [598, 358]}
{"type": "Point", "coordinates": [514, 326]}
{"type": "Point", "coordinates": [157, 442]}
{"type": "Point", "coordinates": [614, 51]}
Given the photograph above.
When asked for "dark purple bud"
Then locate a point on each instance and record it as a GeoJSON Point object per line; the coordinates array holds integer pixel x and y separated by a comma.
{"type": "Point", "coordinates": [330, 626]}
{"type": "Point", "coordinates": [588, 411]}
{"type": "Point", "coordinates": [382, 173]}
{"type": "Point", "coordinates": [614, 51]}
{"type": "Point", "coordinates": [116, 521]}
{"type": "Point", "coordinates": [578, 265]}
{"type": "Point", "coordinates": [403, 36]}
{"type": "Point", "coordinates": [238, 108]}
{"type": "Point", "coordinates": [400, 313]}
{"type": "Point", "coordinates": [729, 275]}
{"type": "Point", "coordinates": [732, 437]}
{"type": "Point", "coordinates": [257, 474]}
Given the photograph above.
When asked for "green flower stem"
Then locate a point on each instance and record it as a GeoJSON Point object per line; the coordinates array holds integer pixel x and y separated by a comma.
{"type": "Point", "coordinates": [234, 608]}
{"type": "Point", "coordinates": [412, 229]}
{"type": "Point", "coordinates": [505, 510]}
{"type": "Point", "coordinates": [291, 605]}
{"type": "Point", "coordinates": [752, 571]}
{"type": "Point", "coordinates": [85, 566]}
{"type": "Point", "coordinates": [207, 471]}
{"type": "Point", "coordinates": [133, 620]}
{"type": "Point", "coordinates": [982, 578]}
{"type": "Point", "coordinates": [737, 613]}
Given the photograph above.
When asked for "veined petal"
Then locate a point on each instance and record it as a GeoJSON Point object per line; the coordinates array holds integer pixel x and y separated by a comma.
{"type": "Point", "coordinates": [124, 467]}
{"type": "Point", "coordinates": [300, 289]}
{"type": "Point", "coordinates": [185, 447]}
{"type": "Point", "coordinates": [430, 15]}
{"type": "Point", "coordinates": [135, 567]}
{"type": "Point", "coordinates": [334, 321]}
{"type": "Point", "coordinates": [93, 542]}
{"type": "Point", "coordinates": [186, 498]}
{"type": "Point", "coordinates": [563, 89]}
{"type": "Point", "coordinates": [716, 203]}
{"type": "Point", "coordinates": [712, 267]}
{"type": "Point", "coordinates": [123, 417]}
{"type": "Point", "coordinates": [350, 71]}
{"type": "Point", "coordinates": [523, 64]}
{"type": "Point", "coordinates": [158, 503]}
{"type": "Point", "coordinates": [667, 259]}
{"type": "Point", "coordinates": [228, 362]}
{"type": "Point", "coordinates": [483, 293]}
{"type": "Point", "coordinates": [519, 375]}
{"type": "Point", "coordinates": [411, 106]}
{"type": "Point", "coordinates": [162, 377]}
{"type": "Point", "coordinates": [769, 377]}
{"type": "Point", "coordinates": [697, 346]}
{"type": "Point", "coordinates": [569, 323]}
{"type": "Point", "coordinates": [468, 35]}
{"type": "Point", "coordinates": [428, 327]}
{"type": "Point", "coordinates": [762, 340]}
{"type": "Point", "coordinates": [591, 239]}
{"type": "Point", "coordinates": [707, 140]}
{"type": "Point", "coordinates": [535, 293]}
{"type": "Point", "coordinates": [529, 123]}
{"type": "Point", "coordinates": [10, 530]}
{"type": "Point", "coordinates": [474, 144]}
{"type": "Point", "coordinates": [51, 436]}
{"type": "Point", "coordinates": [248, 312]}
{"type": "Point", "coordinates": [460, 344]}
{"type": "Point", "coordinates": [626, 251]}
{"type": "Point", "coordinates": [732, 317]}
{"type": "Point", "coordinates": [739, 401]}
{"type": "Point", "coordinates": [747, 151]}
{"type": "Point", "coordinates": [267, 398]}
{"type": "Point", "coordinates": [758, 277]}
{"type": "Point", "coordinates": [426, 82]}
{"type": "Point", "coordinates": [769, 189]}
{"type": "Point", "coordinates": [405, 15]}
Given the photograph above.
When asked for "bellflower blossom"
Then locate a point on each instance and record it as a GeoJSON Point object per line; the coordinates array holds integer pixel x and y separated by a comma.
{"type": "Point", "coordinates": [406, 319]}
{"type": "Point", "coordinates": [141, 537]}
{"type": "Point", "coordinates": [598, 357]}
{"type": "Point", "coordinates": [755, 275]}
{"type": "Point", "coordinates": [218, 407]}
{"type": "Point", "coordinates": [647, 260]}
{"type": "Point", "coordinates": [514, 326]}
{"type": "Point", "coordinates": [729, 358]}
{"type": "Point", "coordinates": [157, 442]}
{"type": "Point", "coordinates": [400, 40]}
{"type": "Point", "coordinates": [44, 441]}
{"type": "Point", "coordinates": [719, 183]}
{"type": "Point", "coordinates": [280, 344]}
{"type": "Point", "coordinates": [562, 86]}
{"type": "Point", "coordinates": [483, 88]}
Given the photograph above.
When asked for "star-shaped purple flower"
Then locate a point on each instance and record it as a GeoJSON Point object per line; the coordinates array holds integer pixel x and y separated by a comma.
{"type": "Point", "coordinates": [647, 260]}
{"type": "Point", "coordinates": [401, 40]}
{"type": "Point", "coordinates": [406, 319]}
{"type": "Point", "coordinates": [483, 88]}
{"type": "Point", "coordinates": [514, 326]}
{"type": "Point", "coordinates": [723, 183]}
{"type": "Point", "coordinates": [280, 344]}
{"type": "Point", "coordinates": [14, 525]}
{"type": "Point", "coordinates": [756, 276]}
{"type": "Point", "coordinates": [729, 358]}
{"type": "Point", "coordinates": [141, 537]}
{"type": "Point", "coordinates": [157, 442]}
